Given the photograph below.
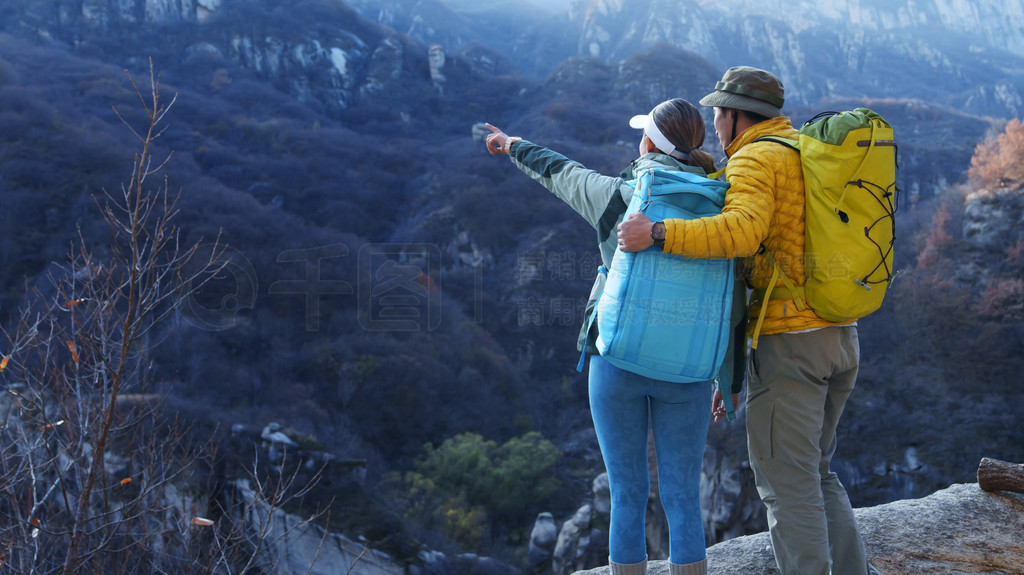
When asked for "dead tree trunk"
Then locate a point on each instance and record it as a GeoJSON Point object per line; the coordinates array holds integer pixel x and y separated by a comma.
{"type": "Point", "coordinates": [995, 475]}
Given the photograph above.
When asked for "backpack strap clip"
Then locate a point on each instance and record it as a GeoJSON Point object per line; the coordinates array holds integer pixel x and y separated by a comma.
{"type": "Point", "coordinates": [788, 291]}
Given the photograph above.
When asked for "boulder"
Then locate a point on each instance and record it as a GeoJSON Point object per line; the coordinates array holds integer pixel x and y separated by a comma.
{"type": "Point", "coordinates": [992, 219]}
{"type": "Point", "coordinates": [583, 539]}
{"type": "Point", "coordinates": [297, 545]}
{"type": "Point", "coordinates": [542, 543]}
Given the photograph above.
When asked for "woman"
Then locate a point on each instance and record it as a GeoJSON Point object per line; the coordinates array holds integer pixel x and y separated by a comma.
{"type": "Point", "coordinates": [622, 402]}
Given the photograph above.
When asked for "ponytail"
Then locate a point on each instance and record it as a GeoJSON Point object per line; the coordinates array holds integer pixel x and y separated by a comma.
{"type": "Point", "coordinates": [702, 159]}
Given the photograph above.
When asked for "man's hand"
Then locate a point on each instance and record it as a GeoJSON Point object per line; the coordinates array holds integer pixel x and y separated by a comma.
{"type": "Point", "coordinates": [635, 233]}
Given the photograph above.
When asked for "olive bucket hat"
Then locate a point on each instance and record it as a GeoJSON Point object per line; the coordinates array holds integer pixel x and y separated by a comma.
{"type": "Point", "coordinates": [751, 89]}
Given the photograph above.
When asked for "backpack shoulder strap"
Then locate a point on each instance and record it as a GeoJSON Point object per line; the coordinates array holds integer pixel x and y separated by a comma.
{"type": "Point", "coordinates": [788, 142]}
{"type": "Point", "coordinates": [703, 186]}
{"type": "Point", "coordinates": [790, 291]}
{"type": "Point", "coordinates": [590, 322]}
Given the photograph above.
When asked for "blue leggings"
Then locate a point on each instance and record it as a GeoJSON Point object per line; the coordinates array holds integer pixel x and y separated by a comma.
{"type": "Point", "coordinates": [621, 404]}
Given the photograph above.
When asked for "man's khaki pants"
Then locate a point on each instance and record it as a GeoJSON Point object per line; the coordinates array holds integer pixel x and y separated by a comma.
{"type": "Point", "coordinates": [797, 386]}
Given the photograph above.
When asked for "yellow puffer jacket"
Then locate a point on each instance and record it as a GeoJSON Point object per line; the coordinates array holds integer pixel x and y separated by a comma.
{"type": "Point", "coordinates": [765, 204]}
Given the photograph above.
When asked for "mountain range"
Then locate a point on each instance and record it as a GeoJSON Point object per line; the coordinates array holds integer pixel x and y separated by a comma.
{"type": "Point", "coordinates": [966, 56]}
{"type": "Point", "coordinates": [337, 133]}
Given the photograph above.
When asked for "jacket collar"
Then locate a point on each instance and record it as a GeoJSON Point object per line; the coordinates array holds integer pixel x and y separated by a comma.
{"type": "Point", "coordinates": [657, 160]}
{"type": "Point", "coordinates": [781, 126]}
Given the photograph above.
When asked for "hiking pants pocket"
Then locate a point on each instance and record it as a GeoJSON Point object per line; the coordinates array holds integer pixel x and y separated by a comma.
{"type": "Point", "coordinates": [760, 413]}
{"type": "Point", "coordinates": [760, 408]}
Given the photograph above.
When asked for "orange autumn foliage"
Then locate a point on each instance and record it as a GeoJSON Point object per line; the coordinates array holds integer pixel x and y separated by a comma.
{"type": "Point", "coordinates": [999, 162]}
{"type": "Point", "coordinates": [938, 240]}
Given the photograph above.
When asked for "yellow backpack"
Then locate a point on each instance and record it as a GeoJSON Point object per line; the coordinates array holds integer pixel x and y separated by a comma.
{"type": "Point", "coordinates": [849, 168]}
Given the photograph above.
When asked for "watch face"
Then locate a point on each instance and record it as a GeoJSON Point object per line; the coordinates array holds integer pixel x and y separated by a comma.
{"type": "Point", "coordinates": [658, 231]}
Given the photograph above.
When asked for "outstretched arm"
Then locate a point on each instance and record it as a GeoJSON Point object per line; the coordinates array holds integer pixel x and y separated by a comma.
{"type": "Point", "coordinates": [592, 194]}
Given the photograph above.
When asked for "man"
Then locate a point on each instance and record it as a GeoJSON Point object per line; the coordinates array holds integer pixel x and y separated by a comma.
{"type": "Point", "coordinates": [803, 368]}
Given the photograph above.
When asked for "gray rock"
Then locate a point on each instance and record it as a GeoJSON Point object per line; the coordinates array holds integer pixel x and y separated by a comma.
{"type": "Point", "coordinates": [542, 542]}
{"type": "Point", "coordinates": [437, 563]}
{"type": "Point", "coordinates": [583, 539]}
{"type": "Point", "coordinates": [480, 131]}
{"type": "Point", "coordinates": [299, 546]}
{"type": "Point", "coordinates": [992, 219]}
{"type": "Point", "coordinates": [431, 563]}
{"type": "Point", "coordinates": [274, 433]}
{"type": "Point", "coordinates": [573, 540]}
{"type": "Point", "coordinates": [602, 495]}
{"type": "Point", "coordinates": [961, 529]}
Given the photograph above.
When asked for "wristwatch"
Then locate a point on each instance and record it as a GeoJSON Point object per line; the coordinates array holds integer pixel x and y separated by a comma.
{"type": "Point", "coordinates": [658, 234]}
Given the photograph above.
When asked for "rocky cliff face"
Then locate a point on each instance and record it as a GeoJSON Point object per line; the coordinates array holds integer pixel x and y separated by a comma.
{"type": "Point", "coordinates": [615, 29]}
{"type": "Point", "coordinates": [103, 13]}
{"type": "Point", "coordinates": [992, 240]}
{"type": "Point", "coordinates": [982, 24]}
{"type": "Point", "coordinates": [323, 54]}
{"type": "Point", "coordinates": [993, 219]}
{"type": "Point", "coordinates": [945, 51]}
{"type": "Point", "coordinates": [429, 21]}
{"type": "Point", "coordinates": [959, 54]}
{"type": "Point", "coordinates": [966, 55]}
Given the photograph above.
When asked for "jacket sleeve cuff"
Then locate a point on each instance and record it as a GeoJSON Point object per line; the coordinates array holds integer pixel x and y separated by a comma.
{"type": "Point", "coordinates": [673, 237]}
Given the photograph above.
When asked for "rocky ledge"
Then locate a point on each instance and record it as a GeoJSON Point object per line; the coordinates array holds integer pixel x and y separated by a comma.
{"type": "Point", "coordinates": [961, 529]}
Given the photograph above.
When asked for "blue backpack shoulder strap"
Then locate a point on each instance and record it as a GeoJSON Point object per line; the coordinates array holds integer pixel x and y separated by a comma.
{"type": "Point", "coordinates": [713, 190]}
{"type": "Point", "coordinates": [589, 324]}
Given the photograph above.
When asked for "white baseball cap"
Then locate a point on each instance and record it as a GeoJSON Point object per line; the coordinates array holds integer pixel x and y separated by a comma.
{"type": "Point", "coordinates": [646, 123]}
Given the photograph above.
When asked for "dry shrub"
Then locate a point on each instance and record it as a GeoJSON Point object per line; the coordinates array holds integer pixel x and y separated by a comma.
{"type": "Point", "coordinates": [938, 241]}
{"type": "Point", "coordinates": [1003, 298]}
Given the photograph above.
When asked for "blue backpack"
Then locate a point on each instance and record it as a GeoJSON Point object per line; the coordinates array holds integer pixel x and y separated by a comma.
{"type": "Point", "coordinates": [665, 316]}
